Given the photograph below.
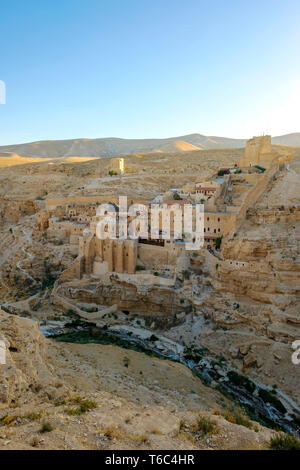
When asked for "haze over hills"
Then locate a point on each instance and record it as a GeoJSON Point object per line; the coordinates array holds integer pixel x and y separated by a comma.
{"type": "Point", "coordinates": [106, 147]}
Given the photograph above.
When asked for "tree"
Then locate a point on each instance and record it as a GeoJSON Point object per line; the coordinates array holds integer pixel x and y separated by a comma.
{"type": "Point", "coordinates": [218, 242]}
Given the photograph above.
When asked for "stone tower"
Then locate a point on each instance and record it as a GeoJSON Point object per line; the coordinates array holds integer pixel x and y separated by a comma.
{"type": "Point", "coordinates": [258, 151]}
{"type": "Point", "coordinates": [117, 164]}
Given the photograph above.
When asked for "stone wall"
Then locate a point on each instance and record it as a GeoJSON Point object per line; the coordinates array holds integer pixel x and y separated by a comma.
{"type": "Point", "coordinates": [12, 210]}
{"type": "Point", "coordinates": [257, 190]}
{"type": "Point", "coordinates": [75, 271]}
{"type": "Point", "coordinates": [52, 203]}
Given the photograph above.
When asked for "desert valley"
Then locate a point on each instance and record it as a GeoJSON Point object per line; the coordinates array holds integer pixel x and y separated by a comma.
{"type": "Point", "coordinates": [142, 344]}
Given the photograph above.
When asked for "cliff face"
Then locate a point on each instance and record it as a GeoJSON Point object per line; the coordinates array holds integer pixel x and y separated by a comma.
{"type": "Point", "coordinates": [256, 296]}
{"type": "Point", "coordinates": [25, 375]}
{"type": "Point", "coordinates": [155, 300]}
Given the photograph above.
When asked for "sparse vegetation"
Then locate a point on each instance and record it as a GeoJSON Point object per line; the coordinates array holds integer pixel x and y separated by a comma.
{"type": "Point", "coordinates": [140, 268]}
{"type": "Point", "coordinates": [84, 405]}
{"type": "Point", "coordinates": [205, 426]}
{"type": "Point", "coordinates": [269, 397]}
{"type": "Point", "coordinates": [284, 442]}
{"type": "Point", "coordinates": [237, 418]}
{"type": "Point", "coordinates": [241, 381]}
{"type": "Point", "coordinates": [126, 361]}
{"type": "Point", "coordinates": [33, 416]}
{"type": "Point", "coordinates": [218, 242]}
{"type": "Point", "coordinates": [153, 338]}
{"type": "Point", "coordinates": [49, 279]}
{"type": "Point", "coordinates": [186, 274]}
{"type": "Point", "coordinates": [60, 402]}
{"type": "Point", "coordinates": [114, 432]}
{"type": "Point", "coordinates": [7, 420]}
{"type": "Point", "coordinates": [46, 427]}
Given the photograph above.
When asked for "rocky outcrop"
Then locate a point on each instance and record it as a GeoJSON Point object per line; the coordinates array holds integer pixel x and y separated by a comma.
{"type": "Point", "coordinates": [254, 306]}
{"type": "Point", "coordinates": [12, 210]}
{"type": "Point", "coordinates": [150, 300]}
{"type": "Point", "coordinates": [25, 373]}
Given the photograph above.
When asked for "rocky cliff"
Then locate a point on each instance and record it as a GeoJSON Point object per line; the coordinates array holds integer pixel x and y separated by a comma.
{"type": "Point", "coordinates": [254, 306]}
{"type": "Point", "coordinates": [25, 376]}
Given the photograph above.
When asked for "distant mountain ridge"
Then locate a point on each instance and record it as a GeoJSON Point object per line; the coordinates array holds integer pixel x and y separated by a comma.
{"type": "Point", "coordinates": [107, 147]}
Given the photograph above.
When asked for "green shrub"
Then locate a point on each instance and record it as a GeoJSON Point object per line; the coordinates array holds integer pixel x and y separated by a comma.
{"type": "Point", "coordinates": [186, 274]}
{"type": "Point", "coordinates": [85, 405]}
{"type": "Point", "coordinates": [153, 338]}
{"type": "Point", "coordinates": [46, 427]}
{"type": "Point", "coordinates": [218, 242]}
{"type": "Point", "coordinates": [271, 398]}
{"type": "Point", "coordinates": [241, 381]}
{"type": "Point", "coordinates": [59, 402]}
{"type": "Point", "coordinates": [33, 416]}
{"type": "Point", "coordinates": [284, 442]}
{"type": "Point", "coordinates": [205, 426]}
{"type": "Point", "coordinates": [140, 268]}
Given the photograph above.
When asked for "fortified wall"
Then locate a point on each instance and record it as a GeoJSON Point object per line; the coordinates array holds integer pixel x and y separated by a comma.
{"type": "Point", "coordinates": [258, 151]}
{"type": "Point", "coordinates": [256, 191]}
{"type": "Point", "coordinates": [52, 203]}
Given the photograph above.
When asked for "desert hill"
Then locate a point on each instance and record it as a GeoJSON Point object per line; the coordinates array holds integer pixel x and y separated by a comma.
{"type": "Point", "coordinates": [106, 147]}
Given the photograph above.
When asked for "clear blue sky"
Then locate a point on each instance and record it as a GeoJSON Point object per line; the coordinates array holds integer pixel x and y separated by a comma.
{"type": "Point", "coordinates": [148, 68]}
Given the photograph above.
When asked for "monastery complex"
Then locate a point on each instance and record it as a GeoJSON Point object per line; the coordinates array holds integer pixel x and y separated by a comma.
{"type": "Point", "coordinates": [226, 195]}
